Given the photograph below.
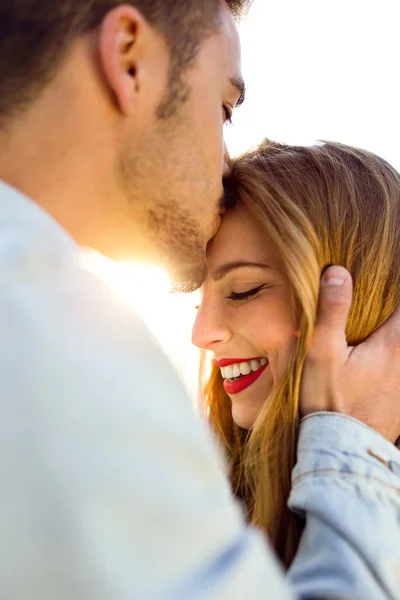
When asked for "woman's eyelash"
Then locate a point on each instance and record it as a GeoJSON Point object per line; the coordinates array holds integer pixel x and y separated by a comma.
{"type": "Point", "coordinates": [238, 296]}
{"type": "Point", "coordinates": [245, 295]}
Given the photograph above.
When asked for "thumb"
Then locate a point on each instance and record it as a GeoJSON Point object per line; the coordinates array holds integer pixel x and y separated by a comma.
{"type": "Point", "coordinates": [335, 297]}
{"type": "Point", "coordinates": [334, 304]}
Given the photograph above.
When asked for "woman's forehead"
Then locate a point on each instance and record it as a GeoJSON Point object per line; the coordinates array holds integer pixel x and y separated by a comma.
{"type": "Point", "coordinates": [240, 237]}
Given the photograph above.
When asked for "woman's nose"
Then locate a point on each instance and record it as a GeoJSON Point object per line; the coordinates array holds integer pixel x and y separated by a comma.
{"type": "Point", "coordinates": [210, 329]}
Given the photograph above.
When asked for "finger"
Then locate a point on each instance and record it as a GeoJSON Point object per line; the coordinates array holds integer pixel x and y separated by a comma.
{"type": "Point", "coordinates": [329, 336]}
{"type": "Point", "coordinates": [335, 297]}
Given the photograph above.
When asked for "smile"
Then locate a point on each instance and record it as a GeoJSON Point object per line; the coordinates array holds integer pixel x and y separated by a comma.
{"type": "Point", "coordinates": [240, 374]}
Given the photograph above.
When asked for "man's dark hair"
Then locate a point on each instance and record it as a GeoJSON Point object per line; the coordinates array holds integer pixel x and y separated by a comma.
{"type": "Point", "coordinates": [35, 35]}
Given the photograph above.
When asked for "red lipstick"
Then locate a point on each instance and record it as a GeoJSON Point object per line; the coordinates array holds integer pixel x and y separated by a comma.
{"type": "Point", "coordinates": [234, 387]}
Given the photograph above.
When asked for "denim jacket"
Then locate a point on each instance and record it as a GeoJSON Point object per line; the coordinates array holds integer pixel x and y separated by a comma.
{"type": "Point", "coordinates": [112, 488]}
{"type": "Point", "coordinates": [347, 484]}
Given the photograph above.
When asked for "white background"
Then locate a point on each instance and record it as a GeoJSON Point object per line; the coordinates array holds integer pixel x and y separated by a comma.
{"type": "Point", "coordinates": [321, 69]}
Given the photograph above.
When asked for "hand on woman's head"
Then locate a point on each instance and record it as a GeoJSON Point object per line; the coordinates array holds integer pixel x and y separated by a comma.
{"type": "Point", "coordinates": [361, 381]}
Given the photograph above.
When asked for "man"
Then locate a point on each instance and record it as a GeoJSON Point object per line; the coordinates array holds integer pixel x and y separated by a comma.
{"type": "Point", "coordinates": [111, 136]}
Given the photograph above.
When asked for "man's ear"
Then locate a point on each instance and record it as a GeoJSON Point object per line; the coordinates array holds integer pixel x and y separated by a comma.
{"type": "Point", "coordinates": [119, 43]}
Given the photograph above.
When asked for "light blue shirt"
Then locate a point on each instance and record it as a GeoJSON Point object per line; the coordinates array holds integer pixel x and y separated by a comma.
{"type": "Point", "coordinates": [111, 487]}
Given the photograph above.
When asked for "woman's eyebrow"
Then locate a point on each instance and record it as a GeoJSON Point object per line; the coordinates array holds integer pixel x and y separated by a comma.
{"type": "Point", "coordinates": [238, 264]}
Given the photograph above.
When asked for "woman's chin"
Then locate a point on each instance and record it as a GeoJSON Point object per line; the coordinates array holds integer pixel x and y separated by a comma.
{"type": "Point", "coordinates": [246, 407]}
{"type": "Point", "coordinates": [244, 416]}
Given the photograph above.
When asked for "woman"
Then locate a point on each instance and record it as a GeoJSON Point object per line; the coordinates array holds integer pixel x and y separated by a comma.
{"type": "Point", "coordinates": [295, 210]}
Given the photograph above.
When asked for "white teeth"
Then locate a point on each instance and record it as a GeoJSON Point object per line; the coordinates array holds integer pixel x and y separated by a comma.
{"type": "Point", "coordinates": [245, 368]}
{"type": "Point", "coordinates": [229, 372]}
{"type": "Point", "coordinates": [236, 370]}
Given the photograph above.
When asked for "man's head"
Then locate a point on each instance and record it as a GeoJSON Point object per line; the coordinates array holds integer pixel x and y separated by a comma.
{"type": "Point", "coordinates": [138, 92]}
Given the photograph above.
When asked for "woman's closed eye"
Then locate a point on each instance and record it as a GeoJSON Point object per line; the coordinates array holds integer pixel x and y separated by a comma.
{"type": "Point", "coordinates": [248, 294]}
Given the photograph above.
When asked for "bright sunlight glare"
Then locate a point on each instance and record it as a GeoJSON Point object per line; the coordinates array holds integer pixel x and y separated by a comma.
{"type": "Point", "coordinates": [169, 316]}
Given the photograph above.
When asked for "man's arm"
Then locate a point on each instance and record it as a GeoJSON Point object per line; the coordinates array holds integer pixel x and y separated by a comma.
{"type": "Point", "coordinates": [347, 485]}
{"type": "Point", "coordinates": [347, 480]}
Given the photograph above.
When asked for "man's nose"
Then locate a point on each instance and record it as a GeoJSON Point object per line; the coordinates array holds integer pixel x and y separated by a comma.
{"type": "Point", "coordinates": [210, 329]}
{"type": "Point", "coordinates": [227, 162]}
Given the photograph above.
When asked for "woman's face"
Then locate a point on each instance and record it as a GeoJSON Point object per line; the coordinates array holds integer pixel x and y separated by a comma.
{"type": "Point", "coordinates": [246, 316]}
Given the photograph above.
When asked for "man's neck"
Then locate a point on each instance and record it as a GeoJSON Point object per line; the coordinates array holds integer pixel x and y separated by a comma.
{"type": "Point", "coordinates": [62, 167]}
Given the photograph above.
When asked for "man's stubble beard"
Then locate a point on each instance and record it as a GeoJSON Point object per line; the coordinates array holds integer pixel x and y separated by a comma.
{"type": "Point", "coordinates": [180, 245]}
{"type": "Point", "coordinates": [170, 235]}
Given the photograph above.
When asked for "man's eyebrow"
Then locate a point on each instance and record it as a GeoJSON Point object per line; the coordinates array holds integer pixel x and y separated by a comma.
{"type": "Point", "coordinates": [240, 85]}
{"type": "Point", "coordinates": [239, 264]}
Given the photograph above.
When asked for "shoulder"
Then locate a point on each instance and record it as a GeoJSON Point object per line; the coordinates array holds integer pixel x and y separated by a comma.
{"type": "Point", "coordinates": [61, 316]}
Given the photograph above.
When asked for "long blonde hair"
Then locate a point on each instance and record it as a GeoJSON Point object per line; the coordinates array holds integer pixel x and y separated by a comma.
{"type": "Point", "coordinates": [320, 205]}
